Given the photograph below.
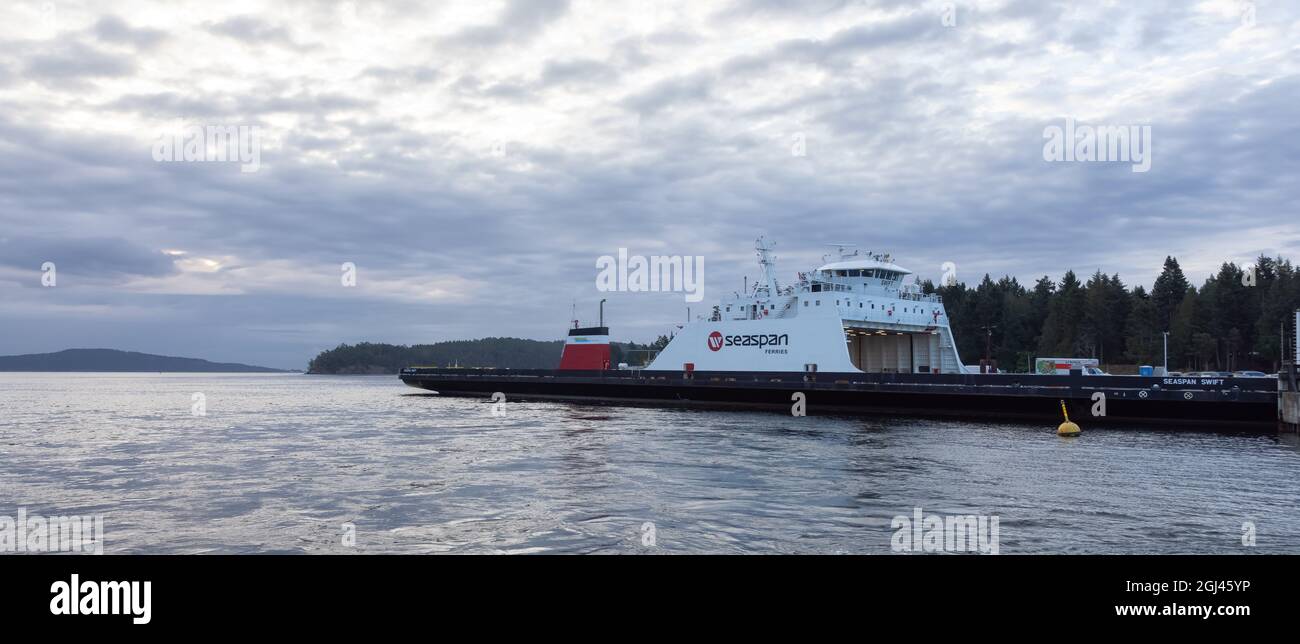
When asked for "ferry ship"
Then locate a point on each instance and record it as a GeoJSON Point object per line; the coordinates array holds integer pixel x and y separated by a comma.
{"type": "Point", "coordinates": [855, 313]}
{"type": "Point", "coordinates": [851, 336]}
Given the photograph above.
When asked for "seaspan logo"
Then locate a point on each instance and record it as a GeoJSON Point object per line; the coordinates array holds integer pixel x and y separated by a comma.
{"type": "Point", "coordinates": [715, 341]}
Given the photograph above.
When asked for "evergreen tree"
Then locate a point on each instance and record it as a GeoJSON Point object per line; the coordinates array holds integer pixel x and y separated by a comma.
{"type": "Point", "coordinates": [1039, 302]}
{"type": "Point", "coordinates": [1279, 297]}
{"type": "Point", "coordinates": [1106, 304]}
{"type": "Point", "coordinates": [1186, 324]}
{"type": "Point", "coordinates": [1061, 329]}
{"type": "Point", "coordinates": [1167, 293]}
{"type": "Point", "coordinates": [1142, 340]}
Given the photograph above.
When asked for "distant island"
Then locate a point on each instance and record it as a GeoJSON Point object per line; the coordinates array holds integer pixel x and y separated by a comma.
{"type": "Point", "coordinates": [113, 360]}
{"type": "Point", "coordinates": [499, 353]}
{"type": "Point", "coordinates": [375, 358]}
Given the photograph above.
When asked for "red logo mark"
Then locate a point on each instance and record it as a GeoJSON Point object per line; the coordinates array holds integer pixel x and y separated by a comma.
{"type": "Point", "coordinates": [715, 341]}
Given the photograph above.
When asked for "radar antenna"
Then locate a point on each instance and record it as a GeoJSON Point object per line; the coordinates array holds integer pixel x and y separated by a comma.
{"type": "Point", "coordinates": [840, 253]}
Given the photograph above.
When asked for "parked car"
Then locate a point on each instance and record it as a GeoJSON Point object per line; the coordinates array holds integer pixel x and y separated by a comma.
{"type": "Point", "coordinates": [1251, 374]}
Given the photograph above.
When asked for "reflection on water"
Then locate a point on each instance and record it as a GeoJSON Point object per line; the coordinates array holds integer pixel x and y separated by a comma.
{"type": "Point", "coordinates": [281, 462]}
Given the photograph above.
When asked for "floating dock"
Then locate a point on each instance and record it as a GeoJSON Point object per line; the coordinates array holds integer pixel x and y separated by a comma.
{"type": "Point", "coordinates": [1245, 403]}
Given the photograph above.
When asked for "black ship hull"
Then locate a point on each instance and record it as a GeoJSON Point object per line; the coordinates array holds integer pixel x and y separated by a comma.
{"type": "Point", "coordinates": [1247, 403]}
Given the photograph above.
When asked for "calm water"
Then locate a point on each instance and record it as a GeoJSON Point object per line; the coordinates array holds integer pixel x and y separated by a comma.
{"type": "Point", "coordinates": [281, 462]}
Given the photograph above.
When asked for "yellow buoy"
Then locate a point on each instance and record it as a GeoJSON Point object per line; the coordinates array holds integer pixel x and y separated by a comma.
{"type": "Point", "coordinates": [1067, 428]}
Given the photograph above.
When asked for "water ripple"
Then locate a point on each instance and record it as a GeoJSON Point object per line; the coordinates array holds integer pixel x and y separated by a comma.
{"type": "Point", "coordinates": [281, 463]}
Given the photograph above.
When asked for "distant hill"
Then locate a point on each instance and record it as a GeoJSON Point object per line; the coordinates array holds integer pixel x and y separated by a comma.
{"type": "Point", "coordinates": [113, 360]}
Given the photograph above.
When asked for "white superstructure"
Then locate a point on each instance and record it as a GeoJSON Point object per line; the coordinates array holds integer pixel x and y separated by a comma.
{"type": "Point", "coordinates": [854, 313]}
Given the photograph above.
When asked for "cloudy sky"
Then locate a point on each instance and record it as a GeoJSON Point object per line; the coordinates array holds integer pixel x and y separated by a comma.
{"type": "Point", "coordinates": [473, 160]}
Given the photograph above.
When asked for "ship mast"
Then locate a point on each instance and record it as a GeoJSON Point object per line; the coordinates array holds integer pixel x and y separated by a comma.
{"type": "Point", "coordinates": [767, 262]}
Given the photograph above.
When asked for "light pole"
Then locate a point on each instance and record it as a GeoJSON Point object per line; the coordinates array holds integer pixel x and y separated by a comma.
{"type": "Point", "coordinates": [1166, 343]}
{"type": "Point", "coordinates": [602, 313]}
{"type": "Point", "coordinates": [987, 363]}
{"type": "Point", "coordinates": [988, 340]}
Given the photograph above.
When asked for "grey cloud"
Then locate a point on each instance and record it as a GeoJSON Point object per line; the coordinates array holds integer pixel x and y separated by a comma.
{"type": "Point", "coordinates": [912, 28]}
{"type": "Point", "coordinates": [893, 163]}
{"type": "Point", "coordinates": [113, 29]}
{"type": "Point", "coordinates": [98, 258]}
{"type": "Point", "coordinates": [70, 61]}
{"type": "Point", "coordinates": [577, 71]}
{"type": "Point", "coordinates": [782, 8]}
{"type": "Point", "coordinates": [194, 105]}
{"type": "Point", "coordinates": [518, 23]}
{"type": "Point", "coordinates": [573, 74]}
{"type": "Point", "coordinates": [254, 31]}
{"type": "Point", "coordinates": [164, 105]}
{"type": "Point", "coordinates": [672, 91]}
{"type": "Point", "coordinates": [398, 76]}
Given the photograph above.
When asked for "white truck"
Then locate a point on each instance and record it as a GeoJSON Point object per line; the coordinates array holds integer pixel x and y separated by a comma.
{"type": "Point", "coordinates": [1063, 366]}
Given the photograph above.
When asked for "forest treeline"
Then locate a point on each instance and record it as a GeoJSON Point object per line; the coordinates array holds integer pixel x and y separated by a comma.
{"type": "Point", "coordinates": [376, 358]}
{"type": "Point", "coordinates": [501, 353]}
{"type": "Point", "coordinates": [1233, 321]}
